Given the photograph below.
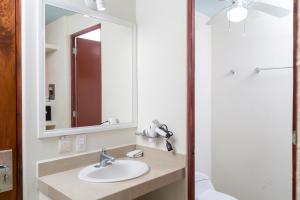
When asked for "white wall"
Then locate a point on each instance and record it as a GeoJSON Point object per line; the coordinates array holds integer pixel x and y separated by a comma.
{"type": "Point", "coordinates": [252, 113]}
{"type": "Point", "coordinates": [203, 94]}
{"type": "Point", "coordinates": [162, 76]}
{"type": "Point", "coordinates": [117, 79]}
{"type": "Point", "coordinates": [162, 67]}
{"type": "Point", "coordinates": [33, 148]}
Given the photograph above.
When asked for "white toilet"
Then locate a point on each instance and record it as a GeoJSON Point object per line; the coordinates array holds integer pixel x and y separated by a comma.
{"type": "Point", "coordinates": [206, 191]}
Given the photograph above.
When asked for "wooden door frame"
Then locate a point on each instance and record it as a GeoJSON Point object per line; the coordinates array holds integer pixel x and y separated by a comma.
{"type": "Point", "coordinates": [73, 89]}
{"type": "Point", "coordinates": [191, 98]}
{"type": "Point", "coordinates": [19, 133]}
{"type": "Point", "coordinates": [295, 98]}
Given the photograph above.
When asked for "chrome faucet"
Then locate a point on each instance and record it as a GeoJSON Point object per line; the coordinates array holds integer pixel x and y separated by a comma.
{"type": "Point", "coordinates": [105, 159]}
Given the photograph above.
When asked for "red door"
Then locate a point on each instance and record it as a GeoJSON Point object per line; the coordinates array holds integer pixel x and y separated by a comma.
{"type": "Point", "coordinates": [10, 101]}
{"type": "Point", "coordinates": [87, 83]}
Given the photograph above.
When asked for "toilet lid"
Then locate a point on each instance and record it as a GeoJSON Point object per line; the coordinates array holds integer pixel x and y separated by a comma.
{"type": "Point", "coordinates": [213, 195]}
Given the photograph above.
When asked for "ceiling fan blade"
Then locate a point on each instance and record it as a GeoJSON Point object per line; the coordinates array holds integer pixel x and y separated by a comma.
{"type": "Point", "coordinates": [229, 1]}
{"type": "Point", "coordinates": [214, 18]}
{"type": "Point", "coordinates": [270, 9]}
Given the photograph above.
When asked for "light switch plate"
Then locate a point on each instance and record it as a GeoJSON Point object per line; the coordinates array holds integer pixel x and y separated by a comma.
{"type": "Point", "coordinates": [6, 171]}
{"type": "Point", "coordinates": [64, 144]}
{"type": "Point", "coordinates": [80, 143]}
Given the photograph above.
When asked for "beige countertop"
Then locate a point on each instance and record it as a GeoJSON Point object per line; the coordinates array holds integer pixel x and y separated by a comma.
{"type": "Point", "coordinates": [165, 168]}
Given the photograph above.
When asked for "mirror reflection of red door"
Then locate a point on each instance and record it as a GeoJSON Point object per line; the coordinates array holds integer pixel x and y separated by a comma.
{"type": "Point", "coordinates": [86, 83]}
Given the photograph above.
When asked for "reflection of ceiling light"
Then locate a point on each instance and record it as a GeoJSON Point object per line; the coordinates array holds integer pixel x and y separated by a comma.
{"type": "Point", "coordinates": [100, 5]}
{"type": "Point", "coordinates": [95, 4]}
{"type": "Point", "coordinates": [237, 14]}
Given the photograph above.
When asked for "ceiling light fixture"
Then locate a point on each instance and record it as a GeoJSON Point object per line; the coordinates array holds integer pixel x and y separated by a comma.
{"type": "Point", "coordinates": [98, 5]}
{"type": "Point", "coordinates": [238, 12]}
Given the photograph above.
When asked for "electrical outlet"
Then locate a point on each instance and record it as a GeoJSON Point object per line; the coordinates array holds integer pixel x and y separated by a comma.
{"type": "Point", "coordinates": [80, 143]}
{"type": "Point", "coordinates": [64, 144]}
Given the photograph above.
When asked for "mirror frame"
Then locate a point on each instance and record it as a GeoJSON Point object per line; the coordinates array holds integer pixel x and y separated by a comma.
{"type": "Point", "coordinates": [42, 132]}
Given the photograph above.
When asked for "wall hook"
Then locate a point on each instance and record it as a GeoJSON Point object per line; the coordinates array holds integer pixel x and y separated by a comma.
{"type": "Point", "coordinates": [232, 72]}
{"type": "Point", "coordinates": [257, 70]}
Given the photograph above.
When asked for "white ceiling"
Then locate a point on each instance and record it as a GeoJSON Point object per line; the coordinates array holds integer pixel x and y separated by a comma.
{"type": "Point", "coordinates": [210, 7]}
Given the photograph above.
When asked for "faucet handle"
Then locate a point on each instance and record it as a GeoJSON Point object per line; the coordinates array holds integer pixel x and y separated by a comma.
{"type": "Point", "coordinates": [103, 150]}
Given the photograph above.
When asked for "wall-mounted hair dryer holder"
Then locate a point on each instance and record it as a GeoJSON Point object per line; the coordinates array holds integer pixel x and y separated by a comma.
{"type": "Point", "coordinates": [158, 130]}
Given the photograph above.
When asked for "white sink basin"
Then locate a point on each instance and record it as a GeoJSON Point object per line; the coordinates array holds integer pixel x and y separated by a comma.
{"type": "Point", "coordinates": [120, 170]}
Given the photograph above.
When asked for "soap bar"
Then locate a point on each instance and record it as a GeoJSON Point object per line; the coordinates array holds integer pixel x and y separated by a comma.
{"type": "Point", "coordinates": [135, 154]}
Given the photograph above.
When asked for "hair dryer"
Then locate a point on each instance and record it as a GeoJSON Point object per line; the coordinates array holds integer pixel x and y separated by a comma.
{"type": "Point", "coordinates": [157, 129]}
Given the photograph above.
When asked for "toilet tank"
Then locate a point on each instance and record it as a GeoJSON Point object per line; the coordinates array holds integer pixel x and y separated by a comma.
{"type": "Point", "coordinates": [202, 183]}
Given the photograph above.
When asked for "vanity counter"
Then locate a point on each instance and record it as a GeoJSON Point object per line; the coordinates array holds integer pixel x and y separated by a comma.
{"type": "Point", "coordinates": [165, 168]}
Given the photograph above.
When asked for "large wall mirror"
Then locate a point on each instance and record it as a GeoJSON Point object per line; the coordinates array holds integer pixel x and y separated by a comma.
{"type": "Point", "coordinates": [88, 72]}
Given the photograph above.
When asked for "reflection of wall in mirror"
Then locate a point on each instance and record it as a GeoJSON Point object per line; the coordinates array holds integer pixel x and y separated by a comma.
{"type": "Point", "coordinates": [58, 73]}
{"type": "Point", "coordinates": [117, 72]}
{"type": "Point", "coordinates": [116, 68]}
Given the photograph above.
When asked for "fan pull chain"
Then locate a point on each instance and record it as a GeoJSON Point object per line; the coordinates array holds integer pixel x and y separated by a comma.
{"type": "Point", "coordinates": [229, 25]}
{"type": "Point", "coordinates": [229, 21]}
{"type": "Point", "coordinates": [244, 34]}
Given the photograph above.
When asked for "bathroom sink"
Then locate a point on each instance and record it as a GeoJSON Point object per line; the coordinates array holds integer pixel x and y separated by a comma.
{"type": "Point", "coordinates": [120, 170]}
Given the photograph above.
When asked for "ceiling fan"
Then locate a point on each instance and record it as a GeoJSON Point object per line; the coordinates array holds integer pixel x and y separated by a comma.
{"type": "Point", "coordinates": [237, 11]}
